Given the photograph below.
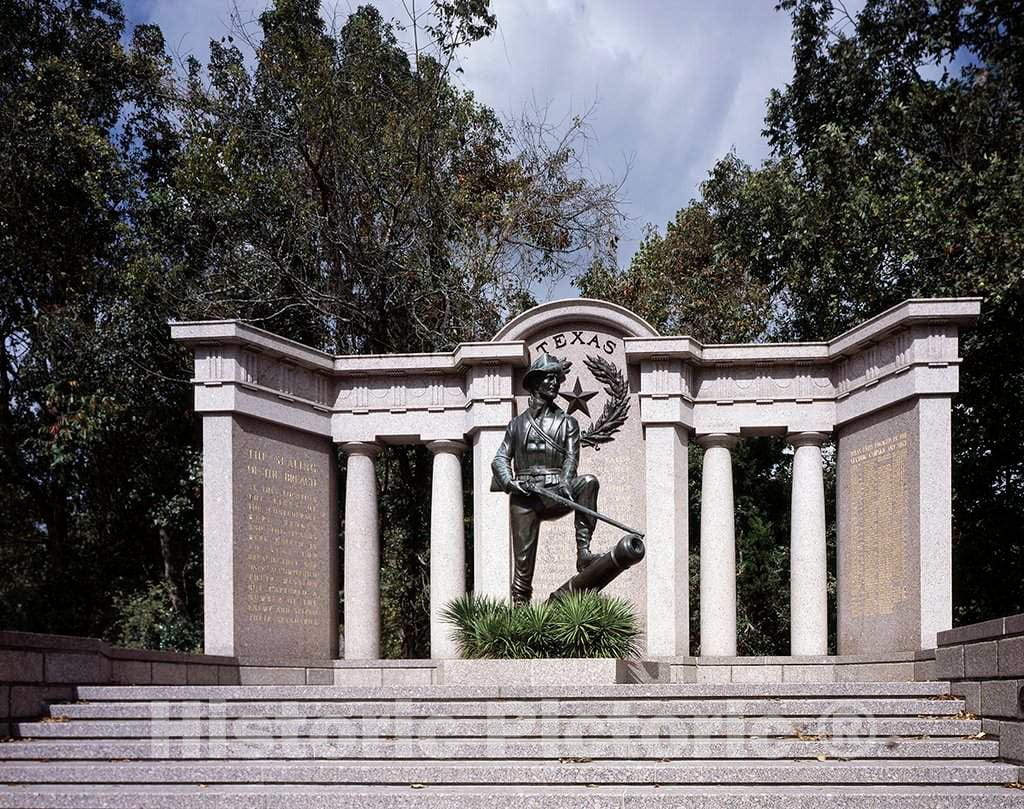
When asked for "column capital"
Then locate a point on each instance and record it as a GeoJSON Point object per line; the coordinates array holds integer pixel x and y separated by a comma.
{"type": "Point", "coordinates": [367, 448]}
{"type": "Point", "coordinates": [807, 439]}
{"type": "Point", "coordinates": [449, 445]}
{"type": "Point", "coordinates": [710, 440]}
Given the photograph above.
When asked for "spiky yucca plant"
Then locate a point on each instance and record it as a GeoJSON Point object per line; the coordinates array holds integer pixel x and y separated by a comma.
{"type": "Point", "coordinates": [587, 624]}
{"type": "Point", "coordinates": [578, 625]}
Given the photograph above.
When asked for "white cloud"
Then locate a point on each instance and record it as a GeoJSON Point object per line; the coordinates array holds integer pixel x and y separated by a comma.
{"type": "Point", "coordinates": [677, 83]}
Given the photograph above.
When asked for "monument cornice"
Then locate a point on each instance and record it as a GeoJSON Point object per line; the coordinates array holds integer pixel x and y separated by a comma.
{"type": "Point", "coordinates": [914, 311]}
{"type": "Point", "coordinates": [945, 311]}
{"type": "Point", "coordinates": [576, 310]}
{"type": "Point", "coordinates": [197, 333]}
{"type": "Point", "coordinates": [514, 352]}
{"type": "Point", "coordinates": [238, 333]}
{"type": "Point", "coordinates": [908, 351]}
{"type": "Point", "coordinates": [465, 355]}
{"type": "Point", "coordinates": [692, 350]}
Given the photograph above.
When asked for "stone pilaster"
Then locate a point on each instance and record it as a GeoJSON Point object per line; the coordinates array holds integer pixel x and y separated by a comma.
{"type": "Point", "coordinates": [219, 458]}
{"type": "Point", "coordinates": [935, 510]}
{"type": "Point", "coordinates": [492, 560]}
{"type": "Point", "coordinates": [668, 540]}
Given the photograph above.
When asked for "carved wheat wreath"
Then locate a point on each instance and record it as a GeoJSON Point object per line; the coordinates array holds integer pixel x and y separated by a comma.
{"type": "Point", "coordinates": [616, 408]}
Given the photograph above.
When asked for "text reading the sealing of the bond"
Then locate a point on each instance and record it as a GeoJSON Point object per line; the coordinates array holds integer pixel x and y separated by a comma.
{"type": "Point", "coordinates": [880, 505]}
{"type": "Point", "coordinates": [284, 505]}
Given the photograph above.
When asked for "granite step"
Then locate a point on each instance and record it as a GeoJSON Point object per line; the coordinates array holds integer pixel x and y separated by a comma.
{"type": "Point", "coordinates": [498, 749]}
{"type": "Point", "coordinates": [406, 796]}
{"type": "Point", "coordinates": [435, 693]}
{"type": "Point", "coordinates": [580, 705]}
{"type": "Point", "coordinates": [500, 727]}
{"type": "Point", "coordinates": [395, 772]}
{"type": "Point", "coordinates": [852, 745]}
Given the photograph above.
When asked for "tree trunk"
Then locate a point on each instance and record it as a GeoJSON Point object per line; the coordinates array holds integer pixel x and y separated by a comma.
{"type": "Point", "coordinates": [172, 571]}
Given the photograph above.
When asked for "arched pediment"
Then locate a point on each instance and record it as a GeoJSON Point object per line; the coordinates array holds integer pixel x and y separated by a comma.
{"type": "Point", "coordinates": [576, 310]}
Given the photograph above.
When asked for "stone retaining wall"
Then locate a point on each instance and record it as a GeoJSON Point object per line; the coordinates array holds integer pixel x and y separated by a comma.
{"type": "Point", "coordinates": [984, 662]}
{"type": "Point", "coordinates": [36, 670]}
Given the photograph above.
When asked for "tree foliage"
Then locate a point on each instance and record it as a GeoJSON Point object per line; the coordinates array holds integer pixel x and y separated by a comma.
{"type": "Point", "coordinates": [335, 186]}
{"type": "Point", "coordinates": [906, 137]}
{"type": "Point", "coordinates": [346, 192]}
{"type": "Point", "coordinates": [342, 190]}
{"type": "Point", "coordinates": [689, 281]}
{"type": "Point", "coordinates": [897, 171]}
{"type": "Point", "coordinates": [89, 451]}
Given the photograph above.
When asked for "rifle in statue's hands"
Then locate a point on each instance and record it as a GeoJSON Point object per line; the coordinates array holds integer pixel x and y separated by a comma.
{"type": "Point", "coordinates": [602, 571]}
{"type": "Point", "coordinates": [552, 494]}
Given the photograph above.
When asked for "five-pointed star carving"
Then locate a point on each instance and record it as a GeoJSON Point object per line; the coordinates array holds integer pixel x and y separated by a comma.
{"type": "Point", "coordinates": [577, 399]}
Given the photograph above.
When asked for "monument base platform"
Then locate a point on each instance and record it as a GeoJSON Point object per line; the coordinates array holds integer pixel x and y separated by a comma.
{"type": "Point", "coordinates": [889, 667]}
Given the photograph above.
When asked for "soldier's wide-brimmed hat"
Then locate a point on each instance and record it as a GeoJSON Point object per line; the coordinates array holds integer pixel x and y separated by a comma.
{"type": "Point", "coordinates": [545, 364]}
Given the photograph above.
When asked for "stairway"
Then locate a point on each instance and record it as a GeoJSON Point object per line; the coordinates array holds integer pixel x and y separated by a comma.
{"type": "Point", "coordinates": [906, 745]}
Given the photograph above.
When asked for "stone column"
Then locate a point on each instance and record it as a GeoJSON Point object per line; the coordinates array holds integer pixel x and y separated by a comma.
{"type": "Point", "coordinates": [668, 548]}
{"type": "Point", "coordinates": [362, 554]}
{"type": "Point", "coordinates": [808, 597]}
{"type": "Point", "coordinates": [447, 543]}
{"type": "Point", "coordinates": [492, 538]}
{"type": "Point", "coordinates": [717, 547]}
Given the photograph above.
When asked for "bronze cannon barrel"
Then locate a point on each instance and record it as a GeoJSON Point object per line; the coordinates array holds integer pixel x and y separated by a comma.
{"type": "Point", "coordinates": [604, 570]}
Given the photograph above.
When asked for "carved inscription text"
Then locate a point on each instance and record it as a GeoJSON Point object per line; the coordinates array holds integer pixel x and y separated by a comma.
{"type": "Point", "coordinates": [284, 508]}
{"type": "Point", "coordinates": [556, 342]}
{"type": "Point", "coordinates": [879, 499]}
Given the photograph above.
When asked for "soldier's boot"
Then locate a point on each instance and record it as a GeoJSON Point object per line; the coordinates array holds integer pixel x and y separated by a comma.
{"type": "Point", "coordinates": [585, 490]}
{"type": "Point", "coordinates": [584, 556]}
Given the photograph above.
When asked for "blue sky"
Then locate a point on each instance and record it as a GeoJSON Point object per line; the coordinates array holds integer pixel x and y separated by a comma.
{"type": "Point", "coordinates": [674, 84]}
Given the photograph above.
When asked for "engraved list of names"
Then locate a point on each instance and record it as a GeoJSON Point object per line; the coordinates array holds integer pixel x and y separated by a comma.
{"type": "Point", "coordinates": [285, 511]}
{"type": "Point", "coordinates": [879, 501]}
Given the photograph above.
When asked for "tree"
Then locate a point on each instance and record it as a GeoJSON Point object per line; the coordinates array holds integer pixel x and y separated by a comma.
{"type": "Point", "coordinates": [342, 190]}
{"type": "Point", "coordinates": [90, 450]}
{"type": "Point", "coordinates": [689, 281]}
{"type": "Point", "coordinates": [347, 193]}
{"type": "Point", "coordinates": [336, 187]}
{"type": "Point", "coordinates": [907, 139]}
{"type": "Point", "coordinates": [896, 171]}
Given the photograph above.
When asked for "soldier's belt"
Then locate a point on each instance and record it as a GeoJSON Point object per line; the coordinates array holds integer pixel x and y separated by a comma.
{"type": "Point", "coordinates": [550, 478]}
{"type": "Point", "coordinates": [537, 472]}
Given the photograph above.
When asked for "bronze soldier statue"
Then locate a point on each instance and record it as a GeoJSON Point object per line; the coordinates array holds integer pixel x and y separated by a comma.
{"type": "Point", "coordinates": [541, 451]}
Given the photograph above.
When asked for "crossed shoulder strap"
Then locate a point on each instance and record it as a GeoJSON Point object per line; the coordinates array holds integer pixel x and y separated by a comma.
{"type": "Point", "coordinates": [540, 430]}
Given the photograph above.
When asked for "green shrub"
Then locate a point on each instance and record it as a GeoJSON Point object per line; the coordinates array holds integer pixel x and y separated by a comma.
{"type": "Point", "coordinates": [582, 624]}
{"type": "Point", "coordinates": [147, 620]}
